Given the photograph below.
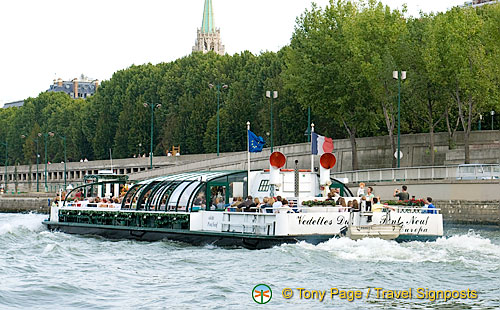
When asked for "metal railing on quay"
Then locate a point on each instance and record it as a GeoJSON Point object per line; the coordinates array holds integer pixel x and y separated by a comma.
{"type": "Point", "coordinates": [409, 173]}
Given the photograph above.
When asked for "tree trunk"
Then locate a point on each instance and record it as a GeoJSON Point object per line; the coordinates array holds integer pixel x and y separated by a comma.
{"type": "Point", "coordinates": [431, 134]}
{"type": "Point", "coordinates": [467, 131]}
{"type": "Point", "coordinates": [354, 149]}
{"type": "Point", "coordinates": [466, 146]}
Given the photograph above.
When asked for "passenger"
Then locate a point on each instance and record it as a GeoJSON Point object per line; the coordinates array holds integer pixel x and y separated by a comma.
{"type": "Point", "coordinates": [350, 205]}
{"type": "Point", "coordinates": [270, 203]}
{"type": "Point", "coordinates": [284, 208]}
{"type": "Point", "coordinates": [369, 194]}
{"type": "Point", "coordinates": [257, 203]}
{"type": "Point", "coordinates": [341, 202]}
{"type": "Point", "coordinates": [219, 203]}
{"type": "Point", "coordinates": [264, 205]}
{"type": "Point", "coordinates": [293, 206]}
{"type": "Point", "coordinates": [330, 196]}
{"type": "Point", "coordinates": [431, 209]}
{"type": "Point", "coordinates": [278, 202]}
{"type": "Point", "coordinates": [335, 192]}
{"type": "Point", "coordinates": [377, 206]}
{"type": "Point", "coordinates": [361, 190]}
{"type": "Point", "coordinates": [237, 201]}
{"type": "Point", "coordinates": [78, 194]}
{"type": "Point", "coordinates": [355, 205]}
{"type": "Point", "coordinates": [249, 204]}
{"type": "Point", "coordinates": [402, 196]}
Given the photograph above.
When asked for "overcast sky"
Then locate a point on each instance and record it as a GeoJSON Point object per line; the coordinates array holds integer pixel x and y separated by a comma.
{"type": "Point", "coordinates": [43, 40]}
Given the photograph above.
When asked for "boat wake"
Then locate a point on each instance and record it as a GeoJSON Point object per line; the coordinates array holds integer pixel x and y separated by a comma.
{"type": "Point", "coordinates": [30, 222]}
{"type": "Point", "coordinates": [470, 249]}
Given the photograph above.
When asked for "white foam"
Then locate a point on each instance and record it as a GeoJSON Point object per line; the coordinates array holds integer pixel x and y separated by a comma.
{"type": "Point", "coordinates": [463, 248]}
{"type": "Point", "coordinates": [11, 223]}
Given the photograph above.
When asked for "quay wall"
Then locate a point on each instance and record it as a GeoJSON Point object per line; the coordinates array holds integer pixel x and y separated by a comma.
{"type": "Point", "coordinates": [469, 212]}
{"type": "Point", "coordinates": [24, 204]}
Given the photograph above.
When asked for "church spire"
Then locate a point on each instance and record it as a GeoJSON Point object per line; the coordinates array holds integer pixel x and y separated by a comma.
{"type": "Point", "coordinates": [208, 37]}
{"type": "Point", "coordinates": [208, 26]}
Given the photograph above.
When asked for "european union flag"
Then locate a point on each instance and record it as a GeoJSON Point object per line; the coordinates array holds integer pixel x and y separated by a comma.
{"type": "Point", "coordinates": [255, 144]}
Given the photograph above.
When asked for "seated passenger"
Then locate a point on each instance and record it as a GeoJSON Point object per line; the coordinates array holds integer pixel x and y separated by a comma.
{"type": "Point", "coordinates": [377, 206]}
{"type": "Point", "coordinates": [284, 208]}
{"type": "Point", "coordinates": [219, 203]}
{"type": "Point", "coordinates": [270, 202]}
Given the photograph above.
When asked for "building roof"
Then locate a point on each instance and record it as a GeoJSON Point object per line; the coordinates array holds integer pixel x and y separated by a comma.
{"type": "Point", "coordinates": [16, 104]}
{"type": "Point", "coordinates": [208, 25]}
{"type": "Point", "coordinates": [67, 87]}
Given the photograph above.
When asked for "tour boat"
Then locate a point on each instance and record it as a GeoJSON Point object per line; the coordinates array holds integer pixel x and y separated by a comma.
{"type": "Point", "coordinates": [194, 207]}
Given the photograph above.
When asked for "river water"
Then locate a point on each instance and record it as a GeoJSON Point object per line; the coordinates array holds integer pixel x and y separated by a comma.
{"type": "Point", "coordinates": [52, 270]}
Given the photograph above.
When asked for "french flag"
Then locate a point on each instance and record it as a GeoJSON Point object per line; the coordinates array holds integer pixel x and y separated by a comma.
{"type": "Point", "coordinates": [321, 144]}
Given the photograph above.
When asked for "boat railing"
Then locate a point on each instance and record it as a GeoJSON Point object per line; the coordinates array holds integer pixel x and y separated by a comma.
{"type": "Point", "coordinates": [414, 209]}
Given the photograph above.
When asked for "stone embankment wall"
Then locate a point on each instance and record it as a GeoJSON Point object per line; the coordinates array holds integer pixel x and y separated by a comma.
{"type": "Point", "coordinates": [454, 212]}
{"type": "Point", "coordinates": [24, 204]}
{"type": "Point", "coordinates": [468, 212]}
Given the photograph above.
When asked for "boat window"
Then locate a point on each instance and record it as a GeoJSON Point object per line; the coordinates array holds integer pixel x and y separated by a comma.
{"type": "Point", "coordinates": [127, 199]}
{"type": "Point", "coordinates": [199, 202]}
{"type": "Point", "coordinates": [184, 198]}
{"type": "Point", "coordinates": [496, 168]}
{"type": "Point", "coordinates": [218, 197]}
{"type": "Point", "coordinates": [174, 201]}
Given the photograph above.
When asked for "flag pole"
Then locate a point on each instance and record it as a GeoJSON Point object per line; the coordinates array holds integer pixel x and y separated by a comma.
{"type": "Point", "coordinates": [248, 158]}
{"type": "Point", "coordinates": [312, 155]}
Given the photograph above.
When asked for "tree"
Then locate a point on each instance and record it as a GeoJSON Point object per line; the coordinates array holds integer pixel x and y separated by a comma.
{"type": "Point", "coordinates": [465, 65]}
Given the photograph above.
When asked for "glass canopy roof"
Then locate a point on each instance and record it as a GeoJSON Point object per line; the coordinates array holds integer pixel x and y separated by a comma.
{"type": "Point", "coordinates": [186, 192]}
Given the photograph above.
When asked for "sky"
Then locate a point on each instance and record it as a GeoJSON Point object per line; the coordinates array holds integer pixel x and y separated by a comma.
{"type": "Point", "coordinates": [45, 40]}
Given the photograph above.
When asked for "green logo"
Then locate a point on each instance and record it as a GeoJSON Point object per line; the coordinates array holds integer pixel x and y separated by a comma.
{"type": "Point", "coordinates": [262, 294]}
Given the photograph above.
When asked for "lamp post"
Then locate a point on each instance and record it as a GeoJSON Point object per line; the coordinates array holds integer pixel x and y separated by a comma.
{"type": "Point", "coordinates": [153, 106]}
{"type": "Point", "coordinates": [308, 131]}
{"type": "Point", "coordinates": [218, 87]}
{"type": "Point", "coordinates": [45, 136]}
{"type": "Point", "coordinates": [65, 158]}
{"type": "Point", "coordinates": [272, 94]}
{"type": "Point", "coordinates": [6, 162]}
{"type": "Point", "coordinates": [480, 119]}
{"type": "Point", "coordinates": [37, 157]}
{"type": "Point", "coordinates": [492, 114]}
{"type": "Point", "coordinates": [399, 75]}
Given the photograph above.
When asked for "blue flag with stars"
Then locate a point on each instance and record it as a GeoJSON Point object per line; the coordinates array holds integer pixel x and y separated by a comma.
{"type": "Point", "coordinates": [255, 144]}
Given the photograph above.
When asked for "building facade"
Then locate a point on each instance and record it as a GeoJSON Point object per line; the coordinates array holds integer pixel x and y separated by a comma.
{"type": "Point", "coordinates": [208, 37]}
{"type": "Point", "coordinates": [75, 88]}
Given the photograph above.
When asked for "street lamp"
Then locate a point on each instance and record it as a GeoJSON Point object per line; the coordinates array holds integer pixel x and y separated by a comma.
{"type": "Point", "coordinates": [45, 136]}
{"type": "Point", "coordinates": [399, 75]}
{"type": "Point", "coordinates": [65, 159]}
{"type": "Point", "coordinates": [37, 157]}
{"type": "Point", "coordinates": [6, 162]}
{"type": "Point", "coordinates": [153, 106]}
{"type": "Point", "coordinates": [492, 114]}
{"type": "Point", "coordinates": [480, 119]}
{"type": "Point", "coordinates": [218, 87]}
{"type": "Point", "coordinates": [308, 130]}
{"type": "Point", "coordinates": [272, 94]}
